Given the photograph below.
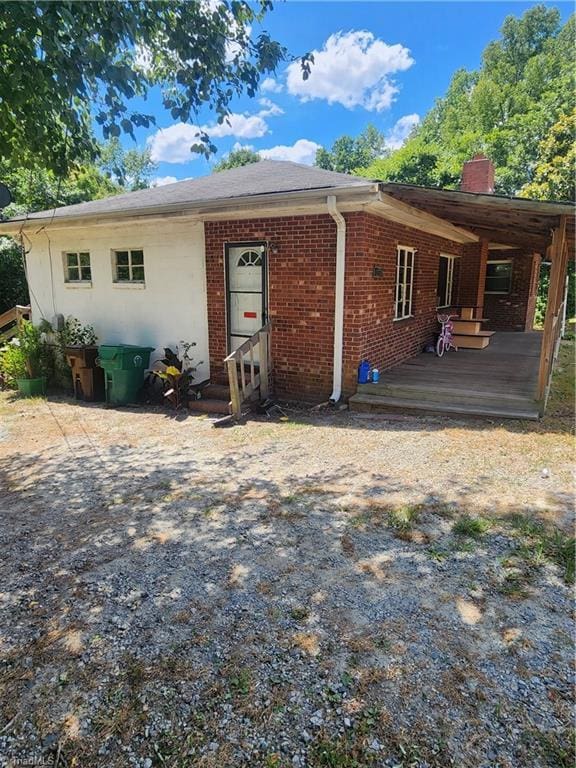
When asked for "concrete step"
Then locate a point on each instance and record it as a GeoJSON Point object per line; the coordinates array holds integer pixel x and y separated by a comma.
{"type": "Point", "coordinates": [209, 405]}
{"type": "Point", "coordinates": [374, 403]}
{"type": "Point", "coordinates": [437, 392]}
{"type": "Point", "coordinates": [216, 391]}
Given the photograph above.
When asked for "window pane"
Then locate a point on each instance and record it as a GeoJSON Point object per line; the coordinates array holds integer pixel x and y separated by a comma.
{"type": "Point", "coordinates": [122, 258]}
{"type": "Point", "coordinates": [84, 259]}
{"type": "Point", "coordinates": [123, 273]}
{"type": "Point", "coordinates": [73, 273]}
{"type": "Point", "coordinates": [498, 277]}
{"type": "Point", "coordinates": [72, 259]}
{"type": "Point", "coordinates": [137, 257]}
{"type": "Point", "coordinates": [137, 273]}
{"type": "Point", "coordinates": [85, 273]}
{"type": "Point", "coordinates": [442, 279]}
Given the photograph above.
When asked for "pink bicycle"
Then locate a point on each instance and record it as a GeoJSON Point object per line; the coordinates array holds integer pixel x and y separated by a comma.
{"type": "Point", "coordinates": [446, 338]}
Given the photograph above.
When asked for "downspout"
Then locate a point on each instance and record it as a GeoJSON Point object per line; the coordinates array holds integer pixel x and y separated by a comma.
{"type": "Point", "coordinates": [339, 297]}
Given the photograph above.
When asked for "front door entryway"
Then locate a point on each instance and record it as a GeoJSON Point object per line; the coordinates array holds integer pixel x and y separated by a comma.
{"type": "Point", "coordinates": [246, 291]}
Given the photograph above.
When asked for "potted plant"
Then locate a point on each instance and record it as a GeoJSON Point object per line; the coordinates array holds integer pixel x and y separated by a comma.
{"type": "Point", "coordinates": [21, 360]}
{"type": "Point", "coordinates": [80, 348]}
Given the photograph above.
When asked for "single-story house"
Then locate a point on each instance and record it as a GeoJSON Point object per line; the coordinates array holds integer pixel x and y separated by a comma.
{"type": "Point", "coordinates": [338, 268]}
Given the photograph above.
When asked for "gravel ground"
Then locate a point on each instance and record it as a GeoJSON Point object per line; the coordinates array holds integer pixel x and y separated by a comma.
{"type": "Point", "coordinates": [325, 590]}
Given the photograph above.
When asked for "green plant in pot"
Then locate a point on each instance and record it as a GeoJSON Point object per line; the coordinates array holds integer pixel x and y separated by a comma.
{"type": "Point", "coordinates": [21, 360]}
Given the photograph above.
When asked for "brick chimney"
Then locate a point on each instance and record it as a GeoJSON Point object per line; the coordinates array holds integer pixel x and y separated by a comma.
{"type": "Point", "coordinates": [478, 175]}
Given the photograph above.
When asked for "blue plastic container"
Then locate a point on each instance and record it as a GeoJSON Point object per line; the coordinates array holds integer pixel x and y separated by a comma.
{"type": "Point", "coordinates": [375, 376]}
{"type": "Point", "coordinates": [364, 372]}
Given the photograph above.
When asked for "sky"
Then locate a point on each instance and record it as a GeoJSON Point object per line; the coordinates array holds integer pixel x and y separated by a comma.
{"type": "Point", "coordinates": [375, 62]}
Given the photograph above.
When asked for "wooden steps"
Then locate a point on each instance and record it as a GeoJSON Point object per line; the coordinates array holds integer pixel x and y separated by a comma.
{"type": "Point", "coordinates": [214, 398]}
{"type": "Point", "coordinates": [209, 405]}
{"type": "Point", "coordinates": [376, 403]}
{"type": "Point", "coordinates": [479, 340]}
{"type": "Point", "coordinates": [467, 330]}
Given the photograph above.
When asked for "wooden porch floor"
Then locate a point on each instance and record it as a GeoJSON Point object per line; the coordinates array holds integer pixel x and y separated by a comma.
{"type": "Point", "coordinates": [499, 381]}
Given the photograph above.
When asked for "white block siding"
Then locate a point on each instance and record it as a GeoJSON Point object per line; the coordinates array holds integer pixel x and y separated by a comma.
{"type": "Point", "coordinates": [170, 307]}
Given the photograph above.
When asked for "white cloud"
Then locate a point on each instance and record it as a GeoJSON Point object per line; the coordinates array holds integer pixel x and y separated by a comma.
{"type": "Point", "coordinates": [401, 130]}
{"type": "Point", "coordinates": [269, 85]}
{"type": "Point", "coordinates": [238, 145]}
{"type": "Point", "coordinates": [302, 151]}
{"type": "Point", "coordinates": [352, 69]}
{"type": "Point", "coordinates": [270, 108]}
{"type": "Point", "coordinates": [161, 181]}
{"type": "Point", "coordinates": [172, 145]}
{"type": "Point", "coordinates": [242, 126]}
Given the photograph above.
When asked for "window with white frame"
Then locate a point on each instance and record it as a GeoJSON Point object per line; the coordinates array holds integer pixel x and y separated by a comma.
{"type": "Point", "coordinates": [128, 266]}
{"type": "Point", "coordinates": [498, 276]}
{"type": "Point", "coordinates": [77, 267]}
{"type": "Point", "coordinates": [404, 282]}
{"type": "Point", "coordinates": [445, 280]}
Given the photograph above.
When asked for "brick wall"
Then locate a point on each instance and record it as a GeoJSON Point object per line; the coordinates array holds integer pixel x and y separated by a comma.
{"type": "Point", "coordinates": [514, 311]}
{"type": "Point", "coordinates": [301, 282]}
{"type": "Point", "coordinates": [301, 278]}
{"type": "Point", "coordinates": [370, 331]}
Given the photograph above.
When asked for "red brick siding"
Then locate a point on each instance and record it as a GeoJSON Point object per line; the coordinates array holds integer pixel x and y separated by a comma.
{"type": "Point", "coordinates": [370, 331]}
{"type": "Point", "coordinates": [301, 280]}
{"type": "Point", "coordinates": [478, 175]}
{"type": "Point", "coordinates": [514, 311]}
{"type": "Point", "coordinates": [472, 274]}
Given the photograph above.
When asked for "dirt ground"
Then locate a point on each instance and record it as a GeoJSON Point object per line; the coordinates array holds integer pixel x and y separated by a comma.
{"type": "Point", "coordinates": [320, 590]}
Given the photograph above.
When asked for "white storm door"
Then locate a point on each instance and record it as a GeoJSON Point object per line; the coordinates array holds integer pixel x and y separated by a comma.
{"type": "Point", "coordinates": [246, 282]}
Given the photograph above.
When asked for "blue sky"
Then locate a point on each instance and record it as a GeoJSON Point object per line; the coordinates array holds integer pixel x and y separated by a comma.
{"type": "Point", "coordinates": [379, 62]}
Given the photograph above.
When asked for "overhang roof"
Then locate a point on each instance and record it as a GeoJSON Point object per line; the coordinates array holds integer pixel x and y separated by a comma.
{"type": "Point", "coordinates": [513, 221]}
{"type": "Point", "coordinates": [267, 177]}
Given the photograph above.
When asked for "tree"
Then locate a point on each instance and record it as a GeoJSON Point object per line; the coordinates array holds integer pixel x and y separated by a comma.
{"type": "Point", "coordinates": [348, 154]}
{"type": "Point", "coordinates": [508, 109]}
{"type": "Point", "coordinates": [13, 287]}
{"type": "Point", "coordinates": [237, 158]}
{"type": "Point", "coordinates": [64, 62]}
{"type": "Point", "coordinates": [556, 164]}
{"type": "Point", "coordinates": [35, 190]}
{"type": "Point", "coordinates": [132, 169]}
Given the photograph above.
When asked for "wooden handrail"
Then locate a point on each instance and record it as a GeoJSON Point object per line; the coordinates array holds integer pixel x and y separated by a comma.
{"type": "Point", "coordinates": [9, 320]}
{"type": "Point", "coordinates": [557, 252]}
{"type": "Point", "coordinates": [241, 388]}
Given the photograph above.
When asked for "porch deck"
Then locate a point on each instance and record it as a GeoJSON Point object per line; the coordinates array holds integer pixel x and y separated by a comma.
{"type": "Point", "coordinates": [499, 381]}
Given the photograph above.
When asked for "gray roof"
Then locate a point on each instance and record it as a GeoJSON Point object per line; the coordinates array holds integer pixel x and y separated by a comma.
{"type": "Point", "coordinates": [264, 177]}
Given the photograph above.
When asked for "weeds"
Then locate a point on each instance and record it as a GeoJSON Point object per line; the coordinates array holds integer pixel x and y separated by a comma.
{"type": "Point", "coordinates": [471, 527]}
{"type": "Point", "coordinates": [402, 520]}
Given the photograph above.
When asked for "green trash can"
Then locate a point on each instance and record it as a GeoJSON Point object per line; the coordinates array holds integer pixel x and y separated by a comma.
{"type": "Point", "coordinates": [124, 366]}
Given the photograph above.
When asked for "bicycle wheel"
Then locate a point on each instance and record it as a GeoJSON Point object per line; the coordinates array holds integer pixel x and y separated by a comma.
{"type": "Point", "coordinates": [440, 346]}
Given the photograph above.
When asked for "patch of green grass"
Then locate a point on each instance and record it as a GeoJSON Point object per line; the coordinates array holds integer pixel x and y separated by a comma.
{"type": "Point", "coordinates": [514, 585]}
{"type": "Point", "coordinates": [240, 682]}
{"type": "Point", "coordinates": [540, 544]}
{"type": "Point", "coordinates": [438, 555]}
{"type": "Point", "coordinates": [402, 519]}
{"type": "Point", "coordinates": [338, 753]}
{"type": "Point", "coordinates": [299, 613]}
{"type": "Point", "coordinates": [471, 527]}
{"type": "Point", "coordinates": [556, 749]}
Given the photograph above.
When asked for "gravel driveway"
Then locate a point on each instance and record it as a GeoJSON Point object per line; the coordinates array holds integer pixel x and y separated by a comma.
{"type": "Point", "coordinates": [327, 590]}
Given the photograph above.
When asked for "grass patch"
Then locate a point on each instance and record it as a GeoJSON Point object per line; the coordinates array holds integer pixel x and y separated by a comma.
{"type": "Point", "coordinates": [471, 527]}
{"type": "Point", "coordinates": [541, 544]}
{"type": "Point", "coordinates": [240, 682]}
{"type": "Point", "coordinates": [299, 613]}
{"type": "Point", "coordinates": [402, 519]}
